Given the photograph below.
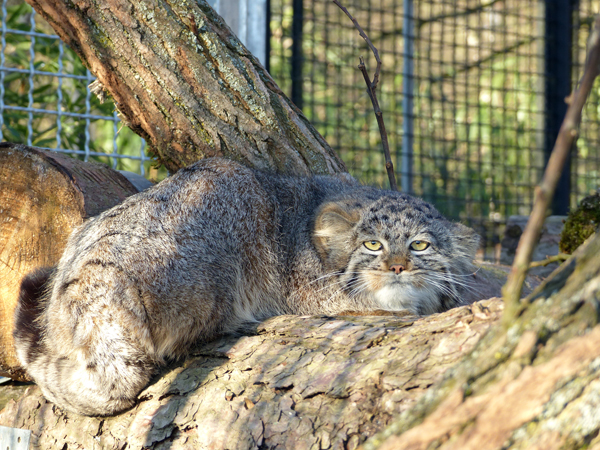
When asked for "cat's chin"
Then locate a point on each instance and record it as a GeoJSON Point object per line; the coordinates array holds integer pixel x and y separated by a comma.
{"type": "Point", "coordinates": [404, 296]}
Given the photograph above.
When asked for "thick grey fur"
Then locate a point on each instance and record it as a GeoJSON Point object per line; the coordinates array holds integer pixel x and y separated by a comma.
{"type": "Point", "coordinates": [212, 247]}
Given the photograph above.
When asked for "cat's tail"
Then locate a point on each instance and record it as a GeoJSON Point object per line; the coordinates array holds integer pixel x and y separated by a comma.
{"type": "Point", "coordinates": [27, 329]}
{"type": "Point", "coordinates": [72, 382]}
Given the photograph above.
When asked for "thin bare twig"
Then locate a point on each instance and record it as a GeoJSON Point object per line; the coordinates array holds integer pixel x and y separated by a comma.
{"type": "Point", "coordinates": [371, 86]}
{"type": "Point", "coordinates": [544, 192]}
{"type": "Point", "coordinates": [549, 260]}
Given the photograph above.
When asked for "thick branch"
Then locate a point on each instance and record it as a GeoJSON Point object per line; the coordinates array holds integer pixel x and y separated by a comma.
{"type": "Point", "coordinates": [300, 382]}
{"type": "Point", "coordinates": [185, 83]}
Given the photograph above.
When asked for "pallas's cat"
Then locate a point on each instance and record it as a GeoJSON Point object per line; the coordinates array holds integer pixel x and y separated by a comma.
{"type": "Point", "coordinates": [214, 246]}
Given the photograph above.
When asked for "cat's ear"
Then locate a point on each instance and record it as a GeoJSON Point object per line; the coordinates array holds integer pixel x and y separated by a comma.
{"type": "Point", "coordinates": [333, 226]}
{"type": "Point", "coordinates": [466, 240]}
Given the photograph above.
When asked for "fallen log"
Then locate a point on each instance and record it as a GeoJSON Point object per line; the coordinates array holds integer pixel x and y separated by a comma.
{"type": "Point", "coordinates": [291, 382]}
{"type": "Point", "coordinates": [43, 196]}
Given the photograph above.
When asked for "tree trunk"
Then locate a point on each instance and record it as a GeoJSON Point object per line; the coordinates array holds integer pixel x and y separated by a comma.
{"type": "Point", "coordinates": [43, 196]}
{"type": "Point", "coordinates": [184, 82]}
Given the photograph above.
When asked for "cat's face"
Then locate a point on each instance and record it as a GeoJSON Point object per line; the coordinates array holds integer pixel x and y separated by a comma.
{"type": "Point", "coordinates": [397, 250]}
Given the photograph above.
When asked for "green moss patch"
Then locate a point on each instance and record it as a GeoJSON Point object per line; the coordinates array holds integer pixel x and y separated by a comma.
{"type": "Point", "coordinates": [580, 224]}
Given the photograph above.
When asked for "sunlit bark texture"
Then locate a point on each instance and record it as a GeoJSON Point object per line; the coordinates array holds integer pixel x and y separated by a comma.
{"type": "Point", "coordinates": [292, 383]}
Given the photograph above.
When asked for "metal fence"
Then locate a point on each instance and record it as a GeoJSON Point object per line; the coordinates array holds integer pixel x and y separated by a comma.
{"type": "Point", "coordinates": [45, 100]}
{"type": "Point", "coordinates": [471, 91]}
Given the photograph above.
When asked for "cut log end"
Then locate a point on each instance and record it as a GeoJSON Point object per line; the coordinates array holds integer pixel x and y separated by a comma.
{"type": "Point", "coordinates": [43, 196]}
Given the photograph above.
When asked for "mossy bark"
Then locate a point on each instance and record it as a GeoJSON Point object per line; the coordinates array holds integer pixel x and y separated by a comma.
{"type": "Point", "coordinates": [182, 80]}
{"type": "Point", "coordinates": [581, 224]}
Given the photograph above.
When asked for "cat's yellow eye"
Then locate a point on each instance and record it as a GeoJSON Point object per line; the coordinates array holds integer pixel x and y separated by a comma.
{"type": "Point", "coordinates": [373, 245]}
{"type": "Point", "coordinates": [419, 246]}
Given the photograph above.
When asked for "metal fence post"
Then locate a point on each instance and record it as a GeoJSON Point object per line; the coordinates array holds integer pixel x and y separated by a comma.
{"type": "Point", "coordinates": [558, 16]}
{"type": "Point", "coordinates": [408, 34]}
{"type": "Point", "coordinates": [297, 58]}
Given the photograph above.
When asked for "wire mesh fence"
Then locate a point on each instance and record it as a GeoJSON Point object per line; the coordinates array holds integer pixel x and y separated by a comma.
{"type": "Point", "coordinates": [45, 100]}
{"type": "Point", "coordinates": [464, 92]}
{"type": "Point", "coordinates": [585, 158]}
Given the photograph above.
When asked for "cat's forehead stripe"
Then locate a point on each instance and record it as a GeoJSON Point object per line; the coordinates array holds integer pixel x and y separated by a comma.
{"type": "Point", "coordinates": [408, 209]}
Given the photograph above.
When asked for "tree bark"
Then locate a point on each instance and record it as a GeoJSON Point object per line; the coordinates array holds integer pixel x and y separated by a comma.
{"type": "Point", "coordinates": [184, 82]}
{"type": "Point", "coordinates": [43, 196]}
{"type": "Point", "coordinates": [293, 382]}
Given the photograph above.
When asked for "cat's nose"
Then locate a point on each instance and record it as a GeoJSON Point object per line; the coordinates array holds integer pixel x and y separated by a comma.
{"type": "Point", "coordinates": [397, 268]}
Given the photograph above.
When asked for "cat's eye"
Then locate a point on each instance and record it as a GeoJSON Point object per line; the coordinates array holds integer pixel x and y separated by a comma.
{"type": "Point", "coordinates": [373, 245]}
{"type": "Point", "coordinates": [419, 246]}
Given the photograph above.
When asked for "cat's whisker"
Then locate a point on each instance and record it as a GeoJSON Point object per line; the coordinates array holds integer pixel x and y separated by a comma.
{"type": "Point", "coordinates": [440, 272]}
{"type": "Point", "coordinates": [332, 274]}
{"type": "Point", "coordinates": [358, 289]}
{"type": "Point", "coordinates": [444, 283]}
{"type": "Point", "coordinates": [323, 277]}
{"type": "Point", "coordinates": [353, 282]}
{"type": "Point", "coordinates": [328, 285]}
{"type": "Point", "coordinates": [436, 288]}
{"type": "Point", "coordinates": [453, 281]}
{"type": "Point", "coordinates": [450, 277]}
{"type": "Point", "coordinates": [332, 296]}
{"type": "Point", "coordinates": [348, 283]}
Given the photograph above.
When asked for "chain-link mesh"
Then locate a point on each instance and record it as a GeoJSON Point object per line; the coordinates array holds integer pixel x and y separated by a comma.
{"type": "Point", "coordinates": [462, 91]}
{"type": "Point", "coordinates": [585, 157]}
{"type": "Point", "coordinates": [45, 100]}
